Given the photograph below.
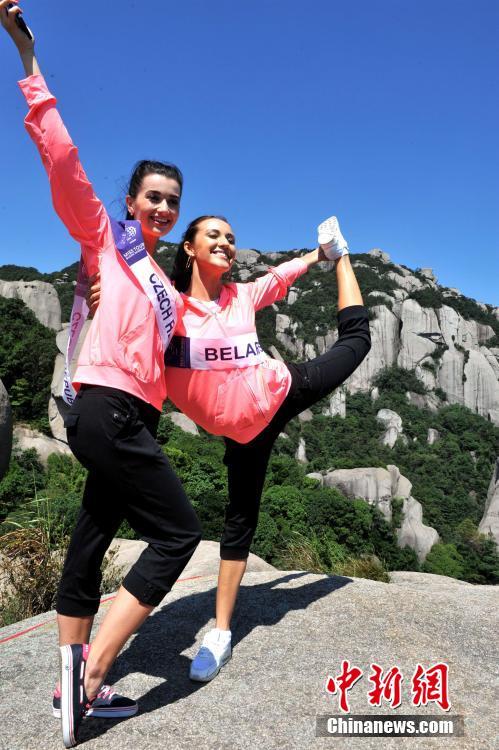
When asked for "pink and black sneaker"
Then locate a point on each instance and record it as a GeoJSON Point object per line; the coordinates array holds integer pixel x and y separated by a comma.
{"type": "Point", "coordinates": [108, 704]}
{"type": "Point", "coordinates": [74, 701]}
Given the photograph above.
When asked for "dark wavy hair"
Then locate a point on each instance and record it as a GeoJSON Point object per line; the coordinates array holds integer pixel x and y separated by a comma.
{"type": "Point", "coordinates": [181, 274]}
{"type": "Point", "coordinates": [145, 167]}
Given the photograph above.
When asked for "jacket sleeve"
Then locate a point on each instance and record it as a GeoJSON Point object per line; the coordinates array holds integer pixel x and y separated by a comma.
{"type": "Point", "coordinates": [72, 194]}
{"type": "Point", "coordinates": [274, 284]}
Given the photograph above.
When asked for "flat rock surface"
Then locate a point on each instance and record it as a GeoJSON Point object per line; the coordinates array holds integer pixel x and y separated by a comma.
{"type": "Point", "coordinates": [290, 632]}
{"type": "Point", "coordinates": [205, 560]}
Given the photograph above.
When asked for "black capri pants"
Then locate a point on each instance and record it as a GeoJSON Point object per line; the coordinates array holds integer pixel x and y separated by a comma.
{"type": "Point", "coordinates": [310, 381]}
{"type": "Point", "coordinates": [112, 433]}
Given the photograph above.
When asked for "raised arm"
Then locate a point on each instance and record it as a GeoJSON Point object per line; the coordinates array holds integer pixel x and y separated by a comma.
{"type": "Point", "coordinates": [274, 285]}
{"type": "Point", "coordinates": [72, 194]}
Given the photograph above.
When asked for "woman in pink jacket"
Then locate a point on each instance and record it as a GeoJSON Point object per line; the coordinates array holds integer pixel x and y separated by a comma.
{"type": "Point", "coordinates": [114, 416]}
{"type": "Point", "coordinates": [218, 375]}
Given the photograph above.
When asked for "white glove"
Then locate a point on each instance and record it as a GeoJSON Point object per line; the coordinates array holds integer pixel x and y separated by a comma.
{"type": "Point", "coordinates": [331, 240]}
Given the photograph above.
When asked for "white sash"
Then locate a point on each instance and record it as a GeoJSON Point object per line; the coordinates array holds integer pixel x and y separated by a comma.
{"type": "Point", "coordinates": [130, 245]}
{"type": "Point", "coordinates": [228, 353]}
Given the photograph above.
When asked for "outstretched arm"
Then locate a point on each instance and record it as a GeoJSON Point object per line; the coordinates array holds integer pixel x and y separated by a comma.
{"type": "Point", "coordinates": [72, 194]}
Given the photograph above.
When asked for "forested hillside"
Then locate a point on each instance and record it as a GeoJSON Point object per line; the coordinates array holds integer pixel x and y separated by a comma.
{"type": "Point", "coordinates": [304, 523]}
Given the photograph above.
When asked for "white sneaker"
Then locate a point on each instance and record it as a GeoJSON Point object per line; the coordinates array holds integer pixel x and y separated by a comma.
{"type": "Point", "coordinates": [213, 654]}
{"type": "Point", "coordinates": [331, 240]}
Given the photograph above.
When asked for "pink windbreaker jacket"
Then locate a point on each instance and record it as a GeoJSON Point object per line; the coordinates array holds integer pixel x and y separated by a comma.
{"type": "Point", "coordinates": [237, 403]}
{"type": "Point", "coordinates": [123, 347]}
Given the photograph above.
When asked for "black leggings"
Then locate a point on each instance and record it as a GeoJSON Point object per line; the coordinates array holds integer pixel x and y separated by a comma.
{"type": "Point", "coordinates": [247, 462]}
{"type": "Point", "coordinates": [113, 435]}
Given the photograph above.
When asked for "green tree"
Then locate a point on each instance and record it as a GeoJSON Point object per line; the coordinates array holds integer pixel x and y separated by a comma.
{"type": "Point", "coordinates": [444, 560]}
{"type": "Point", "coordinates": [27, 354]}
{"type": "Point", "coordinates": [23, 480]}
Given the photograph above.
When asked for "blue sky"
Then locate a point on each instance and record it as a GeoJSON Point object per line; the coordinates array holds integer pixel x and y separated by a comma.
{"type": "Point", "coordinates": [279, 113]}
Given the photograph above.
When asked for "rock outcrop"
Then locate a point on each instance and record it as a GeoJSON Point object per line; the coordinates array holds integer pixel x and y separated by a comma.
{"type": "Point", "coordinates": [124, 553]}
{"type": "Point", "coordinates": [379, 487]}
{"type": "Point", "coordinates": [392, 423]}
{"type": "Point", "coordinates": [185, 424]}
{"type": "Point", "coordinates": [433, 436]}
{"type": "Point", "coordinates": [301, 452]}
{"type": "Point", "coordinates": [428, 273]}
{"type": "Point", "coordinates": [44, 446]}
{"type": "Point", "coordinates": [374, 485]}
{"type": "Point", "coordinates": [419, 336]}
{"type": "Point", "coordinates": [384, 350]}
{"type": "Point", "coordinates": [423, 401]}
{"type": "Point", "coordinates": [306, 415]}
{"type": "Point", "coordinates": [445, 350]}
{"type": "Point", "coordinates": [286, 334]}
{"type": "Point", "coordinates": [293, 629]}
{"type": "Point", "coordinates": [408, 282]}
{"type": "Point", "coordinates": [248, 257]}
{"type": "Point", "coordinates": [5, 430]}
{"type": "Point", "coordinates": [377, 253]}
{"type": "Point", "coordinates": [337, 404]}
{"type": "Point", "coordinates": [39, 296]}
{"type": "Point", "coordinates": [412, 532]}
{"type": "Point", "coordinates": [490, 521]}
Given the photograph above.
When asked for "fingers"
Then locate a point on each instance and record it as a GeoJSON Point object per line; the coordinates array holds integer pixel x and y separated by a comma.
{"type": "Point", "coordinates": [10, 20]}
{"type": "Point", "coordinates": [93, 293]}
{"type": "Point", "coordinates": [8, 15]}
{"type": "Point", "coordinates": [6, 3]}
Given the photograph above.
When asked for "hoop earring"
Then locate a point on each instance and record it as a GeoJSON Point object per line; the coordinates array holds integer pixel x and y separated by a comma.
{"type": "Point", "coordinates": [189, 262]}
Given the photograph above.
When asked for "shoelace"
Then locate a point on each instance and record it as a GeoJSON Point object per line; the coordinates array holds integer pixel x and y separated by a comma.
{"type": "Point", "coordinates": [105, 693]}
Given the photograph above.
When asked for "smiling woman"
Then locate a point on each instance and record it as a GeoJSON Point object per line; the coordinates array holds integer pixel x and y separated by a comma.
{"type": "Point", "coordinates": [206, 251]}
{"type": "Point", "coordinates": [154, 198]}
{"type": "Point", "coordinates": [219, 376]}
{"type": "Point", "coordinates": [112, 423]}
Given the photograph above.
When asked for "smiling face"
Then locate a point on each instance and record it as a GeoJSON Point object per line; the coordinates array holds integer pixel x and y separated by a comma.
{"type": "Point", "coordinates": [213, 248]}
{"type": "Point", "coordinates": [156, 204]}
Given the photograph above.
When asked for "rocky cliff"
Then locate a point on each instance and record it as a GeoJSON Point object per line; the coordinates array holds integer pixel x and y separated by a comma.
{"type": "Point", "coordinates": [39, 296]}
{"type": "Point", "coordinates": [379, 487]}
{"type": "Point", "coordinates": [415, 325]}
{"type": "Point", "coordinates": [490, 521]}
{"type": "Point", "coordinates": [446, 340]}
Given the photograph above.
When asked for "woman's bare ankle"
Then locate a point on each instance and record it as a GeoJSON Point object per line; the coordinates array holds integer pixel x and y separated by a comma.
{"type": "Point", "coordinates": [94, 677]}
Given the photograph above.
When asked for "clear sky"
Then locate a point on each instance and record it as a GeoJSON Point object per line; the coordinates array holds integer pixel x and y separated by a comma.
{"type": "Point", "coordinates": [279, 113]}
